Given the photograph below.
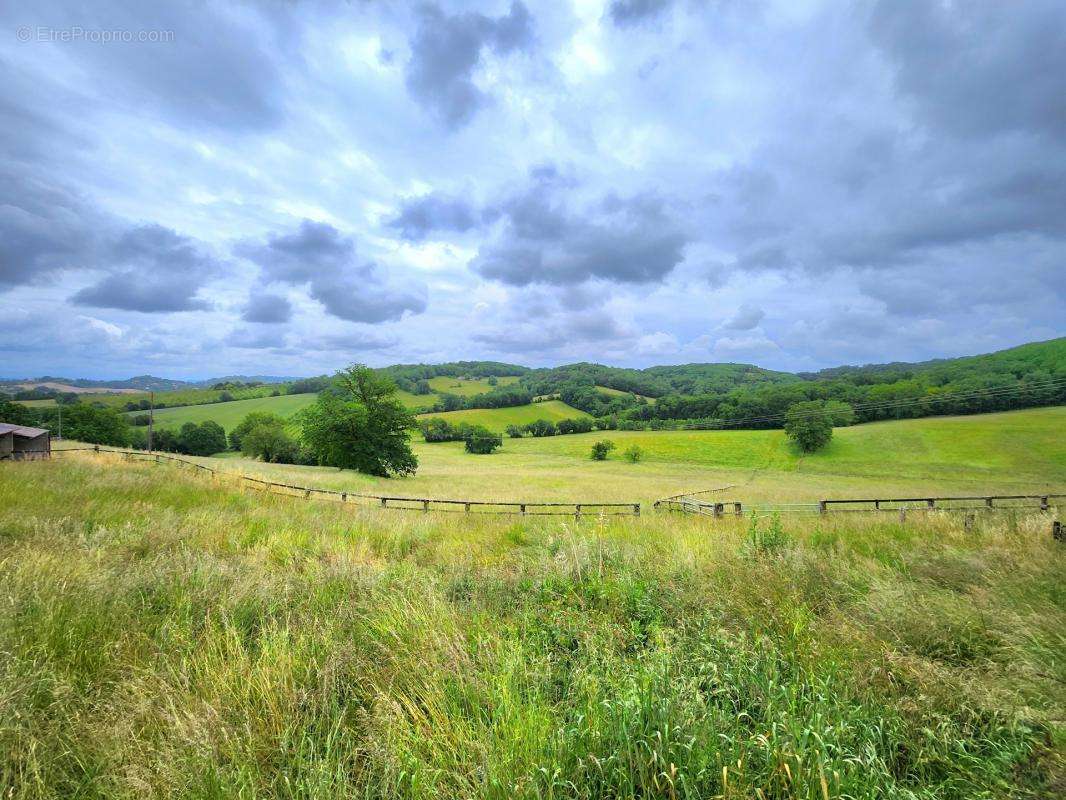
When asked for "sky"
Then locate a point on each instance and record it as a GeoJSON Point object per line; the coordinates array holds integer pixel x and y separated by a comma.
{"type": "Point", "coordinates": [192, 189]}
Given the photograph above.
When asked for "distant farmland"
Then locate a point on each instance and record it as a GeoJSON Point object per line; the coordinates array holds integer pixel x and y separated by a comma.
{"type": "Point", "coordinates": [229, 415]}
{"type": "Point", "coordinates": [498, 419]}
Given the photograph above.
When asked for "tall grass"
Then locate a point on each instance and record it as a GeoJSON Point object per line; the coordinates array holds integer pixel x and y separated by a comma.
{"type": "Point", "coordinates": [161, 636]}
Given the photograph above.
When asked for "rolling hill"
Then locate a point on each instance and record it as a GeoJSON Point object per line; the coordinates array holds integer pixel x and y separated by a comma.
{"type": "Point", "coordinates": [497, 419]}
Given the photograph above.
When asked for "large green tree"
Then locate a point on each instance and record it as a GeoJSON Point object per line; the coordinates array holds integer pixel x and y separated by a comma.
{"type": "Point", "coordinates": [810, 425]}
{"type": "Point", "coordinates": [359, 423]}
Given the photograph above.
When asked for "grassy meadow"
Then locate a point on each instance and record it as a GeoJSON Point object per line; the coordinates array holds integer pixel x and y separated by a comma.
{"type": "Point", "coordinates": [166, 636]}
{"type": "Point", "coordinates": [497, 419]}
{"type": "Point", "coordinates": [468, 387]}
{"type": "Point", "coordinates": [230, 414]}
{"type": "Point", "coordinates": [1018, 452]}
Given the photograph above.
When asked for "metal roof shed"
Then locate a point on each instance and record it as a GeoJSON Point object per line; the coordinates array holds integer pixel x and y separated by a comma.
{"type": "Point", "coordinates": [22, 442]}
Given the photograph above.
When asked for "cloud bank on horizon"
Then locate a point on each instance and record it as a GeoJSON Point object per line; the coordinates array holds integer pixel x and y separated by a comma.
{"type": "Point", "coordinates": [210, 188]}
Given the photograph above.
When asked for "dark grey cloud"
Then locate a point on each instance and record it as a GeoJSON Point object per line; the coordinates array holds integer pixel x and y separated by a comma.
{"type": "Point", "coordinates": [421, 216]}
{"type": "Point", "coordinates": [363, 296]}
{"type": "Point", "coordinates": [625, 239]}
{"type": "Point", "coordinates": [446, 51]}
{"type": "Point", "coordinates": [154, 270]}
{"type": "Point", "coordinates": [267, 308]}
{"type": "Point", "coordinates": [319, 255]}
{"type": "Point", "coordinates": [625, 13]}
{"type": "Point", "coordinates": [43, 229]}
{"type": "Point", "coordinates": [214, 66]}
{"type": "Point", "coordinates": [313, 250]}
{"type": "Point", "coordinates": [979, 68]}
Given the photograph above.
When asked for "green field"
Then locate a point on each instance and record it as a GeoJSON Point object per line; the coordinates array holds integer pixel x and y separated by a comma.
{"type": "Point", "coordinates": [1009, 453]}
{"type": "Point", "coordinates": [166, 635]}
{"type": "Point", "coordinates": [229, 415]}
{"type": "Point", "coordinates": [38, 403]}
{"type": "Point", "coordinates": [497, 419]}
{"type": "Point", "coordinates": [619, 393]}
{"type": "Point", "coordinates": [468, 387]}
{"type": "Point", "coordinates": [184, 397]}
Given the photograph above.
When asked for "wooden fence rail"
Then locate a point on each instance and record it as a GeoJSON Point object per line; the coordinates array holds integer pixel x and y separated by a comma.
{"type": "Point", "coordinates": [1002, 502]}
{"type": "Point", "coordinates": [397, 503]}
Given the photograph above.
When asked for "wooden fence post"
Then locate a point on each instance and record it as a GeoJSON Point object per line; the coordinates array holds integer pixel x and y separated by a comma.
{"type": "Point", "coordinates": [719, 509]}
{"type": "Point", "coordinates": [822, 509]}
{"type": "Point", "coordinates": [931, 503]}
{"type": "Point", "coordinates": [968, 522]}
{"type": "Point", "coordinates": [425, 505]}
{"type": "Point", "coordinates": [384, 500]}
{"type": "Point", "coordinates": [1058, 532]}
{"type": "Point", "coordinates": [902, 514]}
{"type": "Point", "coordinates": [344, 497]}
{"type": "Point", "coordinates": [466, 507]}
{"type": "Point", "coordinates": [737, 509]}
{"type": "Point", "coordinates": [1043, 503]}
{"type": "Point", "coordinates": [522, 508]}
{"type": "Point", "coordinates": [988, 502]}
{"type": "Point", "coordinates": [577, 510]}
{"type": "Point", "coordinates": [636, 509]}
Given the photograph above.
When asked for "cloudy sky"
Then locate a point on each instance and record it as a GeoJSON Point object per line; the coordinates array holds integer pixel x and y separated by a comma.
{"type": "Point", "coordinates": [193, 189]}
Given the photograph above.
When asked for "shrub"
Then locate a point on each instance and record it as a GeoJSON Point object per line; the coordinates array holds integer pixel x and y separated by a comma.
{"type": "Point", "coordinates": [770, 541]}
{"type": "Point", "coordinates": [541, 427]}
{"type": "Point", "coordinates": [514, 431]}
{"type": "Point", "coordinates": [436, 429]}
{"type": "Point", "coordinates": [480, 440]}
{"type": "Point", "coordinates": [601, 448]}
{"type": "Point", "coordinates": [633, 453]}
{"type": "Point", "coordinates": [809, 425]}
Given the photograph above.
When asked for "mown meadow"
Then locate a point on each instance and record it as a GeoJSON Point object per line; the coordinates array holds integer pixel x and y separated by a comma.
{"type": "Point", "coordinates": [163, 635]}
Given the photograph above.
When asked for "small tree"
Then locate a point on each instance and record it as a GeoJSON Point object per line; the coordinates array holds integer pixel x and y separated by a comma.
{"type": "Point", "coordinates": [436, 429]}
{"type": "Point", "coordinates": [601, 448]}
{"type": "Point", "coordinates": [204, 439]}
{"type": "Point", "coordinates": [272, 443]}
{"type": "Point", "coordinates": [253, 420]}
{"type": "Point", "coordinates": [809, 425]}
{"type": "Point", "coordinates": [514, 431]}
{"type": "Point", "coordinates": [481, 440]}
{"type": "Point", "coordinates": [633, 453]}
{"type": "Point", "coordinates": [492, 380]}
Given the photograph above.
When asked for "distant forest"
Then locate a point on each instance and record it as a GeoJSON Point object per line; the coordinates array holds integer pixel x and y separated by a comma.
{"type": "Point", "coordinates": [742, 395]}
{"type": "Point", "coordinates": [705, 395]}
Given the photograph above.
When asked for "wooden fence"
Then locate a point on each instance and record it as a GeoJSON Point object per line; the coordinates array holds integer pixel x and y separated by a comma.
{"type": "Point", "coordinates": [396, 503]}
{"type": "Point", "coordinates": [1001, 502]}
{"type": "Point", "coordinates": [690, 505]}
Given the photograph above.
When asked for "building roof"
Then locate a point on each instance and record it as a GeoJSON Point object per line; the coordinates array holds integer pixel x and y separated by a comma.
{"type": "Point", "coordinates": [21, 430]}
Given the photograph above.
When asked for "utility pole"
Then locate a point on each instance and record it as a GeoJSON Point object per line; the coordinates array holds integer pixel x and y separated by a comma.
{"type": "Point", "coordinates": [151, 419]}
